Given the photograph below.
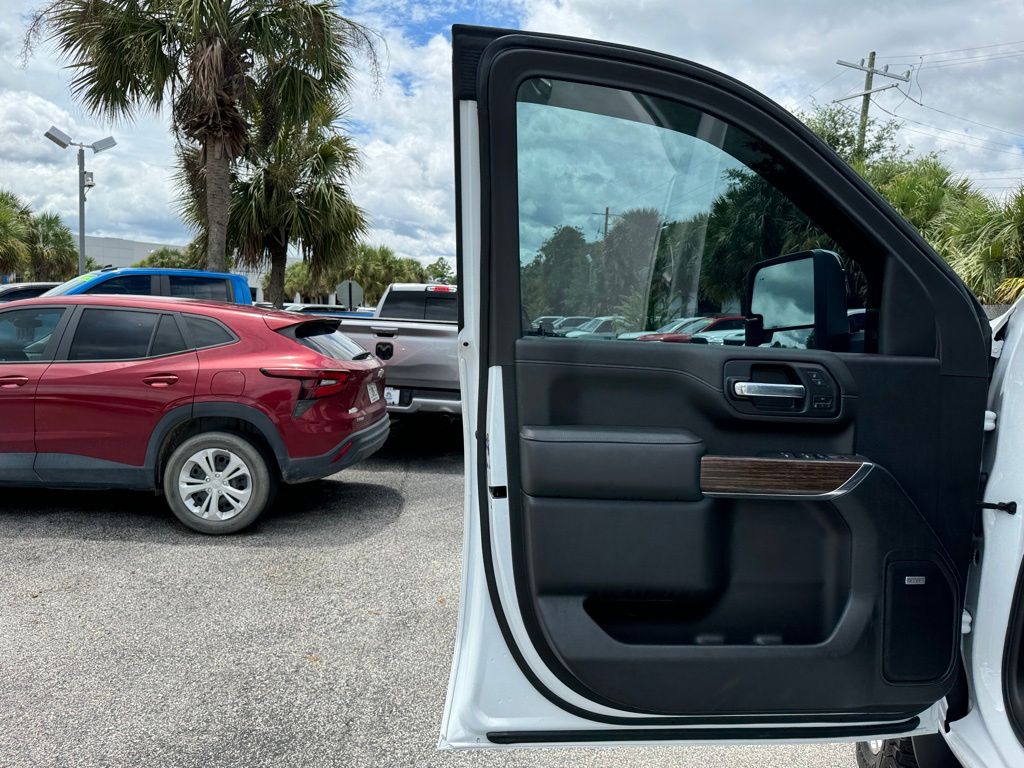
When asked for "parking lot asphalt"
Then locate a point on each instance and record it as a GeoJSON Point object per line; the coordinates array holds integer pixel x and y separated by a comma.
{"type": "Point", "coordinates": [320, 637]}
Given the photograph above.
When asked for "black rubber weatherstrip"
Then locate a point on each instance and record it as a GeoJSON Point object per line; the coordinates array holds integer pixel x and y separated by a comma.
{"type": "Point", "coordinates": [697, 734]}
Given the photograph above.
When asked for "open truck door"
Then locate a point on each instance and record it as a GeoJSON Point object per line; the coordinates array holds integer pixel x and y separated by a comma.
{"type": "Point", "coordinates": [680, 542]}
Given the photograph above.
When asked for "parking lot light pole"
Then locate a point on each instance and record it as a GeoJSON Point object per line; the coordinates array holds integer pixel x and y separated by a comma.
{"type": "Point", "coordinates": [85, 180]}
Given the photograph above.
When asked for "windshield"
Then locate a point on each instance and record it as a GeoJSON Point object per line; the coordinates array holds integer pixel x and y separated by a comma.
{"type": "Point", "coordinates": [592, 325]}
{"type": "Point", "coordinates": [696, 325]}
{"type": "Point", "coordinates": [64, 288]}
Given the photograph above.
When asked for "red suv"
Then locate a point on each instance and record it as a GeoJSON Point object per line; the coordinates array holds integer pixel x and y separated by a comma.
{"type": "Point", "coordinates": [211, 403]}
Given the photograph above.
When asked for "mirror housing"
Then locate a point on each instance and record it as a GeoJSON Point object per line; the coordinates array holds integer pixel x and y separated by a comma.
{"type": "Point", "coordinates": [804, 290]}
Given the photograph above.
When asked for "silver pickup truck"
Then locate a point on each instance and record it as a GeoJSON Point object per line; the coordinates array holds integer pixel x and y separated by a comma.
{"type": "Point", "coordinates": [414, 332]}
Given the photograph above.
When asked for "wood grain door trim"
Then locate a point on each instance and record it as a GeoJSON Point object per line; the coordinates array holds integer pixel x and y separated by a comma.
{"type": "Point", "coordinates": [753, 476]}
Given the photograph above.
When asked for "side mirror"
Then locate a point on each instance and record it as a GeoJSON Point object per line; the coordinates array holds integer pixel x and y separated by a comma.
{"type": "Point", "coordinates": [799, 291]}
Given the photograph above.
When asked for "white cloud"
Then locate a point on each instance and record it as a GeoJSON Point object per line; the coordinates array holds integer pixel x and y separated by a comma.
{"type": "Point", "coordinates": [786, 49]}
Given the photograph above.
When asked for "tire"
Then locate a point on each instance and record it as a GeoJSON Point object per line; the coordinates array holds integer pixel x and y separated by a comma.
{"type": "Point", "coordinates": [890, 753]}
{"type": "Point", "coordinates": [205, 501]}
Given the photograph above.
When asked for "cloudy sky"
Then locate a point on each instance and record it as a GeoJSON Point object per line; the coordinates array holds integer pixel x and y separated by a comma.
{"type": "Point", "coordinates": [970, 79]}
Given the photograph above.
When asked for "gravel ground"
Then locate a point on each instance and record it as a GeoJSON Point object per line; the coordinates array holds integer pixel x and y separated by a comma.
{"type": "Point", "coordinates": [322, 636]}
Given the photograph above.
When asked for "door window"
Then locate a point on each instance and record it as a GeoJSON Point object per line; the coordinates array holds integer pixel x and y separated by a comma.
{"type": "Point", "coordinates": [125, 285]}
{"type": "Point", "coordinates": [168, 339]}
{"type": "Point", "coordinates": [26, 333]}
{"type": "Point", "coordinates": [199, 287]}
{"type": "Point", "coordinates": [112, 334]}
{"type": "Point", "coordinates": [648, 210]}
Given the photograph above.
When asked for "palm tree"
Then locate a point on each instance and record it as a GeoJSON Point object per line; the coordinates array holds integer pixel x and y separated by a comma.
{"type": "Point", "coordinates": [52, 254]}
{"type": "Point", "coordinates": [291, 191]}
{"type": "Point", "coordinates": [14, 232]}
{"type": "Point", "coordinates": [216, 62]}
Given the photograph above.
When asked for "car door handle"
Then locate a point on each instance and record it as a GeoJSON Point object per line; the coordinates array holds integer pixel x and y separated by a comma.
{"type": "Point", "coordinates": [767, 389]}
{"type": "Point", "coordinates": [161, 380]}
{"type": "Point", "coordinates": [385, 331]}
{"type": "Point", "coordinates": [10, 382]}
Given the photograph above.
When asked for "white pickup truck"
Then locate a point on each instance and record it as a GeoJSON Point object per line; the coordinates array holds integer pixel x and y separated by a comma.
{"type": "Point", "coordinates": [413, 331]}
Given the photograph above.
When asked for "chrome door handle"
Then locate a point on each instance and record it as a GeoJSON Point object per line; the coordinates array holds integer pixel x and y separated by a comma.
{"type": "Point", "coordinates": [766, 389]}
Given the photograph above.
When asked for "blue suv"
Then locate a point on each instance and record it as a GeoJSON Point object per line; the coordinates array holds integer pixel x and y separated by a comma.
{"type": "Point", "coordinates": [145, 281]}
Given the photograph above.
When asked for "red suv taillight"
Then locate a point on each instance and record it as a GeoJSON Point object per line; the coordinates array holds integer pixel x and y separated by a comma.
{"type": "Point", "coordinates": [315, 382]}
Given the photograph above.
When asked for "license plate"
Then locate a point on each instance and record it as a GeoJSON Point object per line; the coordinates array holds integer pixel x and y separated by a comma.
{"type": "Point", "coordinates": [391, 395]}
{"type": "Point", "coordinates": [373, 392]}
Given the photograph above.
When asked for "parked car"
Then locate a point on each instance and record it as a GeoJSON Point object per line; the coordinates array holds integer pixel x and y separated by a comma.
{"type": "Point", "coordinates": [546, 321]}
{"type": "Point", "coordinates": [146, 281]}
{"type": "Point", "coordinates": [718, 325]}
{"type": "Point", "coordinates": [414, 332]}
{"type": "Point", "coordinates": [683, 543]}
{"type": "Point", "coordinates": [569, 323]}
{"type": "Point", "coordinates": [605, 327]}
{"type": "Point", "coordinates": [673, 326]}
{"type": "Point", "coordinates": [212, 404]}
{"type": "Point", "coordinates": [15, 291]}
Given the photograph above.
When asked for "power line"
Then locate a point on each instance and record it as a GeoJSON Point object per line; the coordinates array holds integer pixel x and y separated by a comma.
{"type": "Point", "coordinates": [961, 117]}
{"type": "Point", "coordinates": [952, 50]}
{"type": "Point", "coordinates": [946, 130]}
{"type": "Point", "coordinates": [834, 77]}
{"type": "Point", "coordinates": [962, 62]}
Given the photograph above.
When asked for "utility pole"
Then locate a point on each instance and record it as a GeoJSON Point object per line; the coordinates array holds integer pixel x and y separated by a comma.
{"type": "Point", "coordinates": [607, 217]}
{"type": "Point", "coordinates": [865, 104]}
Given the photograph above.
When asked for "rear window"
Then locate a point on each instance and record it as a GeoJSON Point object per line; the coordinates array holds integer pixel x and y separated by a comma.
{"type": "Point", "coordinates": [199, 287]}
{"type": "Point", "coordinates": [322, 338]}
{"type": "Point", "coordinates": [437, 305]}
{"type": "Point", "coordinates": [404, 305]}
{"type": "Point", "coordinates": [442, 306]}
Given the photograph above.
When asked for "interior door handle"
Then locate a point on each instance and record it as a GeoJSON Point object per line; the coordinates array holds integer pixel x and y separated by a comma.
{"type": "Point", "coordinates": [767, 389]}
{"type": "Point", "coordinates": [161, 380]}
{"type": "Point", "coordinates": [10, 382]}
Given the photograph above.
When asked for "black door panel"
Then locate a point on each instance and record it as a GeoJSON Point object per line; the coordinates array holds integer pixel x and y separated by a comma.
{"type": "Point", "coordinates": [644, 600]}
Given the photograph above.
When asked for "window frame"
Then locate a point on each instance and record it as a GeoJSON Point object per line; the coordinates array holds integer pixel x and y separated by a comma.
{"type": "Point", "coordinates": [809, 187]}
{"type": "Point", "coordinates": [73, 318]}
{"type": "Point", "coordinates": [59, 331]}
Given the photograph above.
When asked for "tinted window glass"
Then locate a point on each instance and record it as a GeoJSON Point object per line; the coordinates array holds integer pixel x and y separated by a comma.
{"type": "Point", "coordinates": [209, 288]}
{"type": "Point", "coordinates": [168, 338]}
{"type": "Point", "coordinates": [20, 293]}
{"type": "Point", "coordinates": [128, 285]}
{"type": "Point", "coordinates": [404, 305]}
{"type": "Point", "coordinates": [112, 334]}
{"type": "Point", "coordinates": [334, 344]}
{"type": "Point", "coordinates": [650, 210]}
{"type": "Point", "coordinates": [441, 306]}
{"type": "Point", "coordinates": [206, 333]}
{"type": "Point", "coordinates": [24, 333]}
